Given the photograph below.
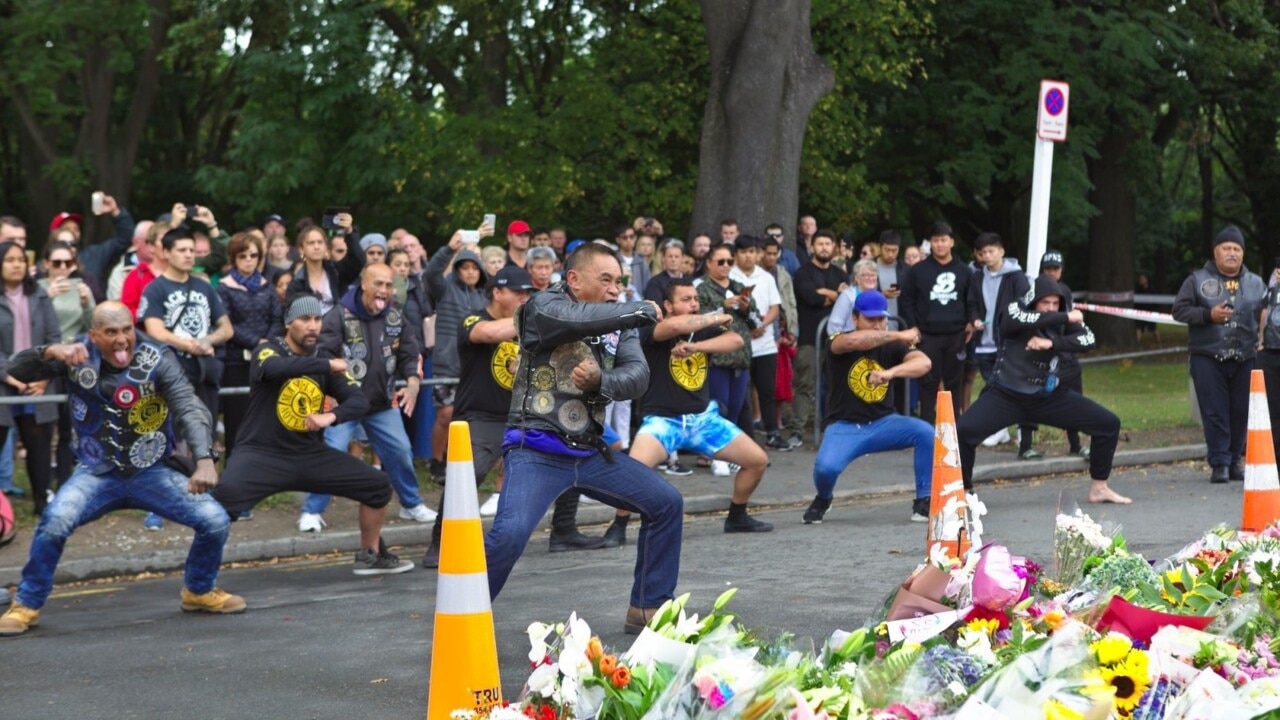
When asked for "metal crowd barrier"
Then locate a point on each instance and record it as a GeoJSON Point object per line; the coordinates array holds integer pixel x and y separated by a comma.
{"type": "Point", "coordinates": [222, 392]}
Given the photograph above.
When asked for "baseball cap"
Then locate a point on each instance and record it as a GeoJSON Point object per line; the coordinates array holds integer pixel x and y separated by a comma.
{"type": "Point", "coordinates": [512, 277]}
{"type": "Point", "coordinates": [871, 303]}
{"type": "Point", "coordinates": [63, 217]}
{"type": "Point", "coordinates": [574, 245]}
{"type": "Point", "coordinates": [1051, 258]}
{"type": "Point", "coordinates": [273, 217]}
{"type": "Point", "coordinates": [519, 227]}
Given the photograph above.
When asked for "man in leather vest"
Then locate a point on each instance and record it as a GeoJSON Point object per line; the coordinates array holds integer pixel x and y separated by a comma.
{"type": "Point", "coordinates": [569, 369]}
{"type": "Point", "coordinates": [1221, 303]}
{"type": "Point", "coordinates": [1026, 386]}
{"type": "Point", "coordinates": [126, 395]}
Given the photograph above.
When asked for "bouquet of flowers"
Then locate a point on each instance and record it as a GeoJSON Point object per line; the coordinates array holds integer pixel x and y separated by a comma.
{"type": "Point", "coordinates": [1078, 541]}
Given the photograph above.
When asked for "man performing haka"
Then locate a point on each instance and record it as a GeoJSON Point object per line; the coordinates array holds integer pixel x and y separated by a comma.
{"type": "Point", "coordinates": [678, 411]}
{"type": "Point", "coordinates": [566, 375]}
{"type": "Point", "coordinates": [125, 398]}
{"type": "Point", "coordinates": [281, 443]}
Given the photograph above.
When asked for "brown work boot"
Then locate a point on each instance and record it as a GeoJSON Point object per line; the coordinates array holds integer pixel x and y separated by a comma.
{"type": "Point", "coordinates": [17, 619]}
{"type": "Point", "coordinates": [215, 601]}
{"type": "Point", "coordinates": [637, 619]}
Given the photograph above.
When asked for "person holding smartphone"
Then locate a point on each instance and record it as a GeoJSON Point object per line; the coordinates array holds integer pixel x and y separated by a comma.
{"type": "Point", "coordinates": [73, 305]}
{"type": "Point", "coordinates": [1221, 303]}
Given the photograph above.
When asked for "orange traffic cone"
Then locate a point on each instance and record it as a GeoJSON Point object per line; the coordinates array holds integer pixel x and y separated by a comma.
{"type": "Point", "coordinates": [464, 651]}
{"type": "Point", "coordinates": [1261, 482]}
{"type": "Point", "coordinates": [951, 532]}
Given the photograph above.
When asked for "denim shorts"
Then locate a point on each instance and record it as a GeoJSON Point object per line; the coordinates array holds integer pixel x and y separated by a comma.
{"type": "Point", "coordinates": [705, 433]}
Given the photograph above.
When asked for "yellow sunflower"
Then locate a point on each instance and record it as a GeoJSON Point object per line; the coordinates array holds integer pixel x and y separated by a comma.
{"type": "Point", "coordinates": [1112, 649]}
{"type": "Point", "coordinates": [1130, 680]}
{"type": "Point", "coordinates": [1055, 709]}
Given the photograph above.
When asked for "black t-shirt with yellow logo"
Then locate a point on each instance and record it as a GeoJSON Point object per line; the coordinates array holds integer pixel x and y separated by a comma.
{"type": "Point", "coordinates": [850, 395]}
{"type": "Point", "coordinates": [284, 389]}
{"type": "Point", "coordinates": [488, 373]}
{"type": "Point", "coordinates": [677, 386]}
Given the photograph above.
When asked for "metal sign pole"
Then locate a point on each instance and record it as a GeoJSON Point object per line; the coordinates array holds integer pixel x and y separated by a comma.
{"type": "Point", "coordinates": [1051, 127]}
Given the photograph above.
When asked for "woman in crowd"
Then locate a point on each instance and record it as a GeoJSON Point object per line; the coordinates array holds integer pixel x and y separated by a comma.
{"type": "Point", "coordinates": [458, 293]}
{"type": "Point", "coordinates": [281, 283]}
{"type": "Point", "coordinates": [865, 277]}
{"type": "Point", "coordinates": [254, 309]}
{"type": "Point", "coordinates": [278, 253]}
{"type": "Point", "coordinates": [494, 259]}
{"type": "Point", "coordinates": [730, 374]}
{"type": "Point", "coordinates": [27, 319]}
{"type": "Point", "coordinates": [317, 274]}
{"type": "Point", "coordinates": [644, 248]}
{"type": "Point", "coordinates": [73, 305]}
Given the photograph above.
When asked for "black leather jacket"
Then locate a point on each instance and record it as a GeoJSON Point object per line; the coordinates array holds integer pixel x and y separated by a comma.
{"type": "Point", "coordinates": [556, 332]}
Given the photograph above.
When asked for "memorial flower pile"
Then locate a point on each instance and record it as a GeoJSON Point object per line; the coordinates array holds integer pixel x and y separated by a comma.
{"type": "Point", "coordinates": [1103, 634]}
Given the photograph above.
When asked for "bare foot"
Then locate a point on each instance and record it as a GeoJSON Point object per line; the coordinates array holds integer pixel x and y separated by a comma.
{"type": "Point", "coordinates": [1101, 493]}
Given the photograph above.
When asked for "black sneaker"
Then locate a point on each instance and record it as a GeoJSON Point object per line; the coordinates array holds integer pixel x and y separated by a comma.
{"type": "Point", "coordinates": [431, 558]}
{"type": "Point", "coordinates": [615, 536]}
{"type": "Point", "coordinates": [677, 469]}
{"type": "Point", "coordinates": [744, 523]}
{"type": "Point", "coordinates": [437, 470]}
{"type": "Point", "coordinates": [369, 562]}
{"type": "Point", "coordinates": [817, 509]}
{"type": "Point", "coordinates": [776, 442]}
{"type": "Point", "coordinates": [577, 541]}
{"type": "Point", "coordinates": [795, 440]}
{"type": "Point", "coordinates": [1219, 474]}
{"type": "Point", "coordinates": [1030, 454]}
{"type": "Point", "coordinates": [1237, 471]}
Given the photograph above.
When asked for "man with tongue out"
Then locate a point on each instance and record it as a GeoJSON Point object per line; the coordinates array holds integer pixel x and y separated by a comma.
{"type": "Point", "coordinates": [368, 330]}
{"type": "Point", "coordinates": [127, 395]}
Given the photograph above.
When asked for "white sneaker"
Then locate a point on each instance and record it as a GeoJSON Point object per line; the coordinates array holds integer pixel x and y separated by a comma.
{"type": "Point", "coordinates": [490, 506]}
{"type": "Point", "coordinates": [997, 438]}
{"type": "Point", "coordinates": [311, 522]}
{"type": "Point", "coordinates": [720, 468]}
{"type": "Point", "coordinates": [419, 512]}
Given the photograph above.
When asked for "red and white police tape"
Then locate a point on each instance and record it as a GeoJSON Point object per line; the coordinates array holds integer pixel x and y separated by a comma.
{"type": "Point", "coordinates": [1130, 313]}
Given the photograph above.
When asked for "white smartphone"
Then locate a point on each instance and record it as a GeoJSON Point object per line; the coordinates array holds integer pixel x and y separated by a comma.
{"type": "Point", "coordinates": [470, 237]}
{"type": "Point", "coordinates": [97, 202]}
{"type": "Point", "coordinates": [491, 220]}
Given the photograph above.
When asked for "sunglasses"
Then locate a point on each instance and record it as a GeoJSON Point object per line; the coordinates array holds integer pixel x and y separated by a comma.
{"type": "Point", "coordinates": [723, 261]}
{"type": "Point", "coordinates": [775, 234]}
{"type": "Point", "coordinates": [62, 263]}
{"type": "Point", "coordinates": [243, 256]}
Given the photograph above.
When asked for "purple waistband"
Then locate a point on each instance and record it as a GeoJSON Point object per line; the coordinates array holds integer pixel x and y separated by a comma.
{"type": "Point", "coordinates": [542, 441]}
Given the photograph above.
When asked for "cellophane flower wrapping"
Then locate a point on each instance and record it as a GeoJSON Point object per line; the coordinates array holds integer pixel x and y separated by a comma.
{"type": "Point", "coordinates": [721, 682]}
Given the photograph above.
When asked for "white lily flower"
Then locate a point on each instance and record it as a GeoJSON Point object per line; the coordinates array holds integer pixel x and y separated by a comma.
{"type": "Point", "coordinates": [537, 641]}
{"type": "Point", "coordinates": [687, 627]}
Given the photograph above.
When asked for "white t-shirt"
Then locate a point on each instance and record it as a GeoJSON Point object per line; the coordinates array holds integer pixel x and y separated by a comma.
{"type": "Point", "coordinates": [766, 296]}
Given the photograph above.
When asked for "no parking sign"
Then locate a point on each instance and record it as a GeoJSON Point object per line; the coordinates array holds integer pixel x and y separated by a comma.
{"type": "Point", "coordinates": [1051, 117]}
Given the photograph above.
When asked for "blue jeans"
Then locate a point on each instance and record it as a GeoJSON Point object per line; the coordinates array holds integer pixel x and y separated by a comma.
{"type": "Point", "coordinates": [535, 479]}
{"type": "Point", "coordinates": [6, 463]}
{"type": "Point", "coordinates": [843, 442]}
{"type": "Point", "coordinates": [387, 436]}
{"type": "Point", "coordinates": [86, 497]}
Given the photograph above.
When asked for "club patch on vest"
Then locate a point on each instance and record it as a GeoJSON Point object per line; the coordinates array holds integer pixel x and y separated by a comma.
{"type": "Point", "coordinates": [148, 414]}
{"type": "Point", "coordinates": [1211, 289]}
{"type": "Point", "coordinates": [147, 449]}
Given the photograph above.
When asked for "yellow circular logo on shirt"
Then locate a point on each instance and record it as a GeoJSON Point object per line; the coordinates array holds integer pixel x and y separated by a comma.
{"type": "Point", "coordinates": [689, 373]}
{"type": "Point", "coordinates": [860, 382]}
{"type": "Point", "coordinates": [506, 358]}
{"type": "Point", "coordinates": [299, 398]}
{"type": "Point", "coordinates": [148, 414]}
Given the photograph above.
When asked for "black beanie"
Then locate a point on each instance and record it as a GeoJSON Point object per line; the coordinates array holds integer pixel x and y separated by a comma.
{"type": "Point", "coordinates": [1231, 234]}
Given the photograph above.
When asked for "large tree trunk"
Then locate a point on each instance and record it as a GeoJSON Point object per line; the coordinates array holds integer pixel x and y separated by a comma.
{"type": "Point", "coordinates": [765, 80]}
{"type": "Point", "coordinates": [1111, 234]}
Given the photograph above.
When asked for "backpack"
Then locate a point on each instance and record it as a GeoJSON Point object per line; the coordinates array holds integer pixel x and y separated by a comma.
{"type": "Point", "coordinates": [8, 531]}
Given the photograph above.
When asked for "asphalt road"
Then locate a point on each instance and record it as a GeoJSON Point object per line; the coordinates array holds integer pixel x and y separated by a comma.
{"type": "Point", "coordinates": [319, 642]}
